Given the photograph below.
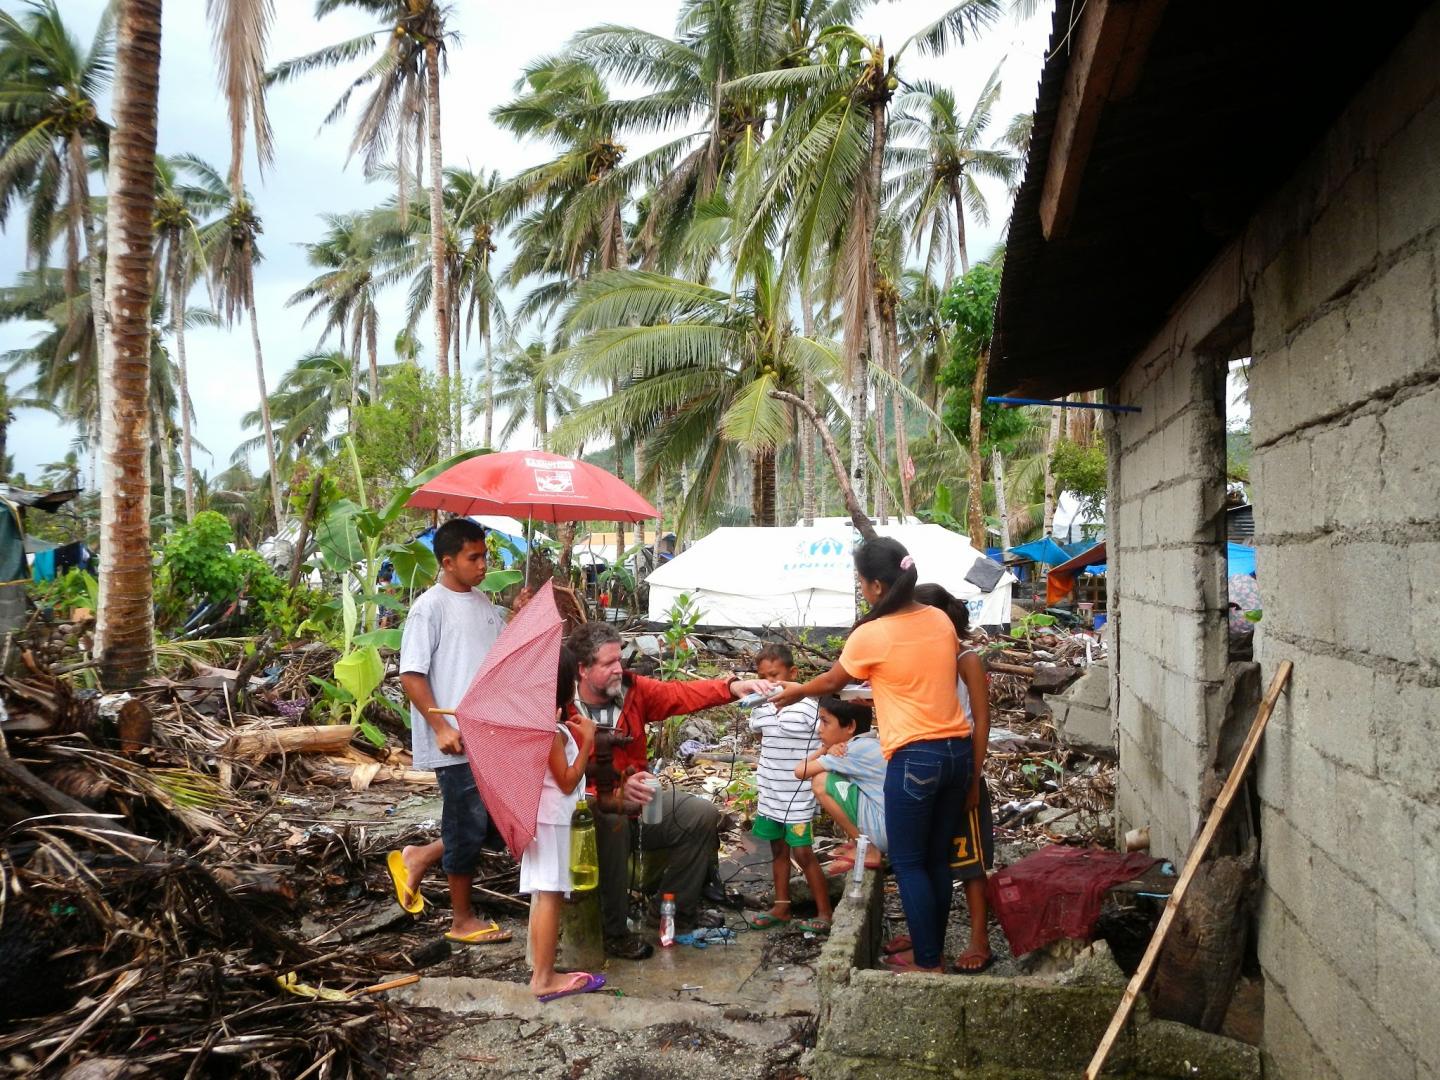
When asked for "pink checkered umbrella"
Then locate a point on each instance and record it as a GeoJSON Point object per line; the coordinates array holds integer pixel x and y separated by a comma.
{"type": "Point", "coordinates": [507, 718]}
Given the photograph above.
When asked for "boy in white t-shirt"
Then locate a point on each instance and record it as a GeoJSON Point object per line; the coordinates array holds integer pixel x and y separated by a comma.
{"type": "Point", "coordinates": [448, 633]}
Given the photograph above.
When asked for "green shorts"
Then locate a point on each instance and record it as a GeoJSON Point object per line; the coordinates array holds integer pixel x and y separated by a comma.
{"type": "Point", "coordinates": [796, 834]}
{"type": "Point", "coordinates": [846, 793]}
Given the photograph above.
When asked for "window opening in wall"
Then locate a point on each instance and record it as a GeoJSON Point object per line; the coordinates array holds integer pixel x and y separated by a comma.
{"type": "Point", "coordinates": [1244, 605]}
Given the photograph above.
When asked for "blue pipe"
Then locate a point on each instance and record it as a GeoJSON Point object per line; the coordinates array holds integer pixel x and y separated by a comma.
{"type": "Point", "coordinates": [1063, 404]}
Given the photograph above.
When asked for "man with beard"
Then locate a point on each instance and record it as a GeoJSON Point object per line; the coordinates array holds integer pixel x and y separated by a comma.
{"type": "Point", "coordinates": [678, 853]}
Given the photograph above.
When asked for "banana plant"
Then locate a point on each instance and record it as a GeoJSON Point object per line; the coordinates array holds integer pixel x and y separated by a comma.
{"type": "Point", "coordinates": [350, 542]}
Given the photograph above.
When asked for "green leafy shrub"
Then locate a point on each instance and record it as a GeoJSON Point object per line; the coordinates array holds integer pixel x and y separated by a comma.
{"type": "Point", "coordinates": [1082, 471]}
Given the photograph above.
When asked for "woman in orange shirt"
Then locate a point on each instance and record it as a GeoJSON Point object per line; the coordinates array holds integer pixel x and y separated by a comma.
{"type": "Point", "coordinates": [908, 652]}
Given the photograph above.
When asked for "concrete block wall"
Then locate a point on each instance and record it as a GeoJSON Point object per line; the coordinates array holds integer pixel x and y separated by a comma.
{"type": "Point", "coordinates": [1339, 279]}
{"type": "Point", "coordinates": [1167, 566]}
{"type": "Point", "coordinates": [1345, 400]}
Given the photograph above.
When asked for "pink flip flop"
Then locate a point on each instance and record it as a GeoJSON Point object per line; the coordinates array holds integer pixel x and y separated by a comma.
{"type": "Point", "coordinates": [590, 984]}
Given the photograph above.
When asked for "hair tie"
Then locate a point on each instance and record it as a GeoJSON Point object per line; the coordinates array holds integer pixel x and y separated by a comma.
{"type": "Point", "coordinates": [907, 563]}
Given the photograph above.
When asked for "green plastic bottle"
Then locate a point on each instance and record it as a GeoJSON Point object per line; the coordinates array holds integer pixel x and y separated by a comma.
{"type": "Point", "coordinates": [584, 858]}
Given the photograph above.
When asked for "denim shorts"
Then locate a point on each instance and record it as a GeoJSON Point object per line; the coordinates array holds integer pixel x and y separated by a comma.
{"type": "Point", "coordinates": [464, 822]}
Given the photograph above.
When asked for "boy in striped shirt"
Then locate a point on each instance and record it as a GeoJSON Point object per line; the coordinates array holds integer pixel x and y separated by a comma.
{"type": "Point", "coordinates": [787, 804]}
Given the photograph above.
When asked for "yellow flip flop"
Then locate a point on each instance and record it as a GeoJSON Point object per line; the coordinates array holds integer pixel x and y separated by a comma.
{"type": "Point", "coordinates": [412, 902]}
{"type": "Point", "coordinates": [486, 935]}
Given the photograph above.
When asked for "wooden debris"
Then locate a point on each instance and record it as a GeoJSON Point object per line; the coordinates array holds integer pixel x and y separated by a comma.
{"type": "Point", "coordinates": [259, 743]}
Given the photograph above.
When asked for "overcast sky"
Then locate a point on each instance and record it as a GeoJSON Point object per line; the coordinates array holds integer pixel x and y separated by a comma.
{"type": "Point", "coordinates": [311, 175]}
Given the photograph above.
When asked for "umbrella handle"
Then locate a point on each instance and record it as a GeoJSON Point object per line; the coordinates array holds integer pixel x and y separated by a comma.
{"type": "Point", "coordinates": [442, 712]}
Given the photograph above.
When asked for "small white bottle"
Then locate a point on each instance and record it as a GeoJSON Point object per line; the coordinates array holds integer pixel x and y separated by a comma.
{"type": "Point", "coordinates": [857, 875]}
{"type": "Point", "coordinates": [667, 920]}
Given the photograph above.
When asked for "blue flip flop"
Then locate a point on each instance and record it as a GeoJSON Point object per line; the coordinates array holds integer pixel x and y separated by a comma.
{"type": "Point", "coordinates": [589, 986]}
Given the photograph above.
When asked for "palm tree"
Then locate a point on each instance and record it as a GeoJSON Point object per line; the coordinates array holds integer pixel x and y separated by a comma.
{"type": "Point", "coordinates": [49, 126]}
{"type": "Point", "coordinates": [404, 103]}
{"type": "Point", "coordinates": [180, 208]}
{"type": "Point", "coordinates": [231, 254]}
{"type": "Point", "coordinates": [527, 387]}
{"type": "Point", "coordinates": [305, 405]}
{"type": "Point", "coordinates": [937, 176]}
{"type": "Point", "coordinates": [349, 257]}
{"type": "Point", "coordinates": [476, 220]}
{"type": "Point", "coordinates": [124, 624]}
{"type": "Point", "coordinates": [63, 361]}
{"type": "Point", "coordinates": [819, 177]}
{"type": "Point", "coordinates": [692, 362]}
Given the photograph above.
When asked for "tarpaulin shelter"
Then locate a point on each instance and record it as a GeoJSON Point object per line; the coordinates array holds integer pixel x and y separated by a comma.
{"type": "Point", "coordinates": [14, 572]}
{"type": "Point", "coordinates": [805, 576]}
{"type": "Point", "coordinates": [1061, 580]}
{"type": "Point", "coordinates": [1045, 551]}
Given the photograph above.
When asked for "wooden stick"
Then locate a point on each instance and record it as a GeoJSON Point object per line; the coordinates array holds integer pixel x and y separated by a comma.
{"type": "Point", "coordinates": [404, 980]}
{"type": "Point", "coordinates": [1192, 864]}
{"type": "Point", "coordinates": [442, 712]}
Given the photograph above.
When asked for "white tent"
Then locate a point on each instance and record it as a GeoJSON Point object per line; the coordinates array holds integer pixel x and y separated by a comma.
{"type": "Point", "coordinates": [756, 577]}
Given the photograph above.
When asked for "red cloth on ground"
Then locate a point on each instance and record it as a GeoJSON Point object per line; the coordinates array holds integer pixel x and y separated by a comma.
{"type": "Point", "coordinates": [1057, 892]}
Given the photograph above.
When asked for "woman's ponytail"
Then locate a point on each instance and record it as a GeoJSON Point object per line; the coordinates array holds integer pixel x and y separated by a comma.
{"type": "Point", "coordinates": [885, 560]}
{"type": "Point", "coordinates": [937, 596]}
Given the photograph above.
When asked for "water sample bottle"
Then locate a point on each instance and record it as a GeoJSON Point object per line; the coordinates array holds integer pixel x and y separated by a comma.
{"type": "Point", "coordinates": [749, 701]}
{"type": "Point", "coordinates": [857, 875]}
{"type": "Point", "coordinates": [653, 813]}
{"type": "Point", "coordinates": [584, 858]}
{"type": "Point", "coordinates": [667, 920]}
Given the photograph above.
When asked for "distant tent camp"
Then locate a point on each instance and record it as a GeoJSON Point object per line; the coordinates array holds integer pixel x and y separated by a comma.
{"type": "Point", "coordinates": [804, 577]}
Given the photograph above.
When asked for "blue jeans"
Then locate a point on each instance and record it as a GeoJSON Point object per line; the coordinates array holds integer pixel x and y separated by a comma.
{"type": "Point", "coordinates": [925, 787]}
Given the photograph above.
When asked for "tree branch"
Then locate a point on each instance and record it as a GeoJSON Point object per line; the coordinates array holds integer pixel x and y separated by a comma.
{"type": "Point", "coordinates": [861, 520]}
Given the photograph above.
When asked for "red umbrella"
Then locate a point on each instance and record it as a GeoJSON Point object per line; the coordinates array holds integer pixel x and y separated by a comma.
{"type": "Point", "coordinates": [533, 484]}
{"type": "Point", "coordinates": [507, 718]}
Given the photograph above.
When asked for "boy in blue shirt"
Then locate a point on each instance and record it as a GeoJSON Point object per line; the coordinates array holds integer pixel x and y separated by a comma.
{"type": "Point", "coordinates": [847, 775]}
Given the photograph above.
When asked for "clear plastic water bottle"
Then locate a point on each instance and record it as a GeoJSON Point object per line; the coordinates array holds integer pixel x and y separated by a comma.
{"type": "Point", "coordinates": [750, 701]}
{"type": "Point", "coordinates": [584, 858]}
{"type": "Point", "coordinates": [667, 920]}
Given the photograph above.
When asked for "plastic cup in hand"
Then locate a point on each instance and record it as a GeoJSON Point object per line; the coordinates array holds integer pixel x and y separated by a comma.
{"type": "Point", "coordinates": [653, 813]}
{"type": "Point", "coordinates": [857, 875]}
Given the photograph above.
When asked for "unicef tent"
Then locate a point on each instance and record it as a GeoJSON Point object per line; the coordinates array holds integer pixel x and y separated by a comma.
{"type": "Point", "coordinates": [804, 577]}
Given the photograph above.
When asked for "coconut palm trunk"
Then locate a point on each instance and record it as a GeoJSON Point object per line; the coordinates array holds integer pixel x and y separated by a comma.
{"type": "Point", "coordinates": [372, 333]}
{"type": "Point", "coordinates": [762, 488]}
{"type": "Point", "coordinates": [807, 437]}
{"type": "Point", "coordinates": [959, 224]}
{"type": "Point", "coordinates": [265, 424]}
{"type": "Point", "coordinates": [897, 403]}
{"type": "Point", "coordinates": [80, 200]}
{"type": "Point", "coordinates": [1051, 441]}
{"type": "Point", "coordinates": [124, 628]}
{"type": "Point", "coordinates": [178, 293]}
{"type": "Point", "coordinates": [489, 385]}
{"type": "Point", "coordinates": [167, 482]}
{"type": "Point", "coordinates": [1002, 509]}
{"type": "Point", "coordinates": [437, 237]}
{"type": "Point", "coordinates": [858, 517]}
{"type": "Point", "coordinates": [977, 508]}
{"type": "Point", "coordinates": [882, 445]}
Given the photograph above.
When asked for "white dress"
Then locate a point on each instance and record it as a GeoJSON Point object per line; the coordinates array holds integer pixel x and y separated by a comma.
{"type": "Point", "coordinates": [545, 864]}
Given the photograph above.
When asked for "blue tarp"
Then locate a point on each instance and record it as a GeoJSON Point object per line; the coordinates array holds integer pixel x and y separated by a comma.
{"type": "Point", "coordinates": [1042, 551]}
{"type": "Point", "coordinates": [1242, 559]}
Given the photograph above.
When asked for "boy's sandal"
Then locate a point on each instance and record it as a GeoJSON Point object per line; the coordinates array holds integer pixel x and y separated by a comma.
{"type": "Point", "coordinates": [412, 902]}
{"type": "Point", "coordinates": [816, 925]}
{"type": "Point", "coordinates": [765, 921]}
{"type": "Point", "coordinates": [486, 935]}
{"type": "Point", "coordinates": [581, 982]}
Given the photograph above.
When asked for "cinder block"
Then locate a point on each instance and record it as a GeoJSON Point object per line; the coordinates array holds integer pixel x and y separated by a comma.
{"type": "Point", "coordinates": [1388, 336]}
{"type": "Point", "coordinates": [1284, 476]}
{"type": "Point", "coordinates": [1299, 589]}
{"type": "Point", "coordinates": [1290, 1052]}
{"type": "Point", "coordinates": [1308, 982]}
{"type": "Point", "coordinates": [1409, 183]}
{"type": "Point", "coordinates": [1331, 713]}
{"type": "Point", "coordinates": [1347, 485]}
{"type": "Point", "coordinates": [1304, 388]}
{"type": "Point", "coordinates": [1284, 295]}
{"type": "Point", "coordinates": [1285, 863]}
{"type": "Point", "coordinates": [1368, 621]}
{"type": "Point", "coordinates": [1271, 415]}
{"type": "Point", "coordinates": [1372, 834]}
{"type": "Point", "coordinates": [1426, 822]}
{"type": "Point", "coordinates": [1407, 731]}
{"type": "Point", "coordinates": [1342, 922]}
{"type": "Point", "coordinates": [1345, 238]}
{"type": "Point", "coordinates": [1362, 1044]}
{"type": "Point", "coordinates": [1410, 466]}
{"type": "Point", "coordinates": [1405, 961]}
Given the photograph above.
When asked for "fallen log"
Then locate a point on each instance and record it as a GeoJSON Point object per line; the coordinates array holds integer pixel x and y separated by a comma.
{"type": "Point", "coordinates": [1009, 669]}
{"type": "Point", "coordinates": [259, 743]}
